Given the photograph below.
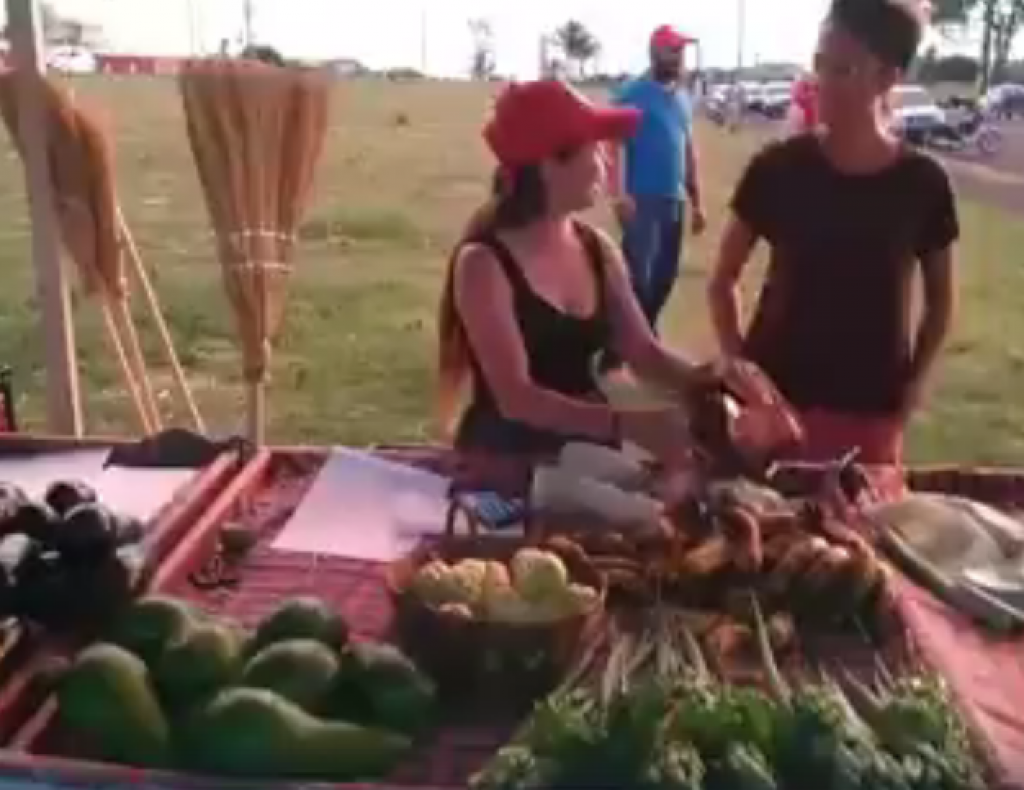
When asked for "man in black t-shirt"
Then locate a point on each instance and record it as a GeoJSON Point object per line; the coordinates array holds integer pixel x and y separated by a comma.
{"type": "Point", "coordinates": [850, 217]}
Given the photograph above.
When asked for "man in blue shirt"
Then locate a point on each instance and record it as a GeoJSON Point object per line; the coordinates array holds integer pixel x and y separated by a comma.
{"type": "Point", "coordinates": [655, 174]}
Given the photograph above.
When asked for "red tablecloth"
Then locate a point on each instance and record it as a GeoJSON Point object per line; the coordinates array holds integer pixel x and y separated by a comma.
{"type": "Point", "coordinates": [986, 674]}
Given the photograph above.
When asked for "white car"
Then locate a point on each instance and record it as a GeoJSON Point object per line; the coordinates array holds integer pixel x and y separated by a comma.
{"type": "Point", "coordinates": [776, 98]}
{"type": "Point", "coordinates": [914, 113]}
{"type": "Point", "coordinates": [72, 60]}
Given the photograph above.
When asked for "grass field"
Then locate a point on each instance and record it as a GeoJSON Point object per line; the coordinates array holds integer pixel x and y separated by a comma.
{"type": "Point", "coordinates": [403, 169]}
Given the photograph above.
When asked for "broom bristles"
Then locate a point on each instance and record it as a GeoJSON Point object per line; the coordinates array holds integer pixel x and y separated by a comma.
{"type": "Point", "coordinates": [80, 159]}
{"type": "Point", "coordinates": [256, 133]}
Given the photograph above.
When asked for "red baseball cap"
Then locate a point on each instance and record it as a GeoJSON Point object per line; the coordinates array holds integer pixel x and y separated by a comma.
{"type": "Point", "coordinates": [667, 37]}
{"type": "Point", "coordinates": [533, 121]}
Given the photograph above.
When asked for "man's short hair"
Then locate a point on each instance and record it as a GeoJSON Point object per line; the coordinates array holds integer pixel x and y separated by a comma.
{"type": "Point", "coordinates": [891, 29]}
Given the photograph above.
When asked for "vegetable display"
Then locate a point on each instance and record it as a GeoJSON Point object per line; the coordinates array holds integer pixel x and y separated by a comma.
{"type": "Point", "coordinates": [177, 688]}
{"type": "Point", "coordinates": [655, 717]}
{"type": "Point", "coordinates": [66, 560]}
{"type": "Point", "coordinates": [799, 555]}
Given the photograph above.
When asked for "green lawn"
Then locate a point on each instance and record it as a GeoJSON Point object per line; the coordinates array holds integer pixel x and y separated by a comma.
{"type": "Point", "coordinates": [403, 168]}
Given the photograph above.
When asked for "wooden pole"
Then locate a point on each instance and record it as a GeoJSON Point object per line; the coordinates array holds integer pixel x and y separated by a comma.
{"type": "Point", "coordinates": [149, 294]}
{"type": "Point", "coordinates": [63, 400]}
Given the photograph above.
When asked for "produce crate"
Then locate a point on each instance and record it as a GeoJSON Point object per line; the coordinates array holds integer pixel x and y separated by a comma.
{"type": "Point", "coordinates": [262, 497]}
{"type": "Point", "coordinates": [267, 491]}
{"type": "Point", "coordinates": [24, 649]}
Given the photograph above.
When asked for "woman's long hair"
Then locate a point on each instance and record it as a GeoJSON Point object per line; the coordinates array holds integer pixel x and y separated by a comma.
{"type": "Point", "coordinates": [517, 198]}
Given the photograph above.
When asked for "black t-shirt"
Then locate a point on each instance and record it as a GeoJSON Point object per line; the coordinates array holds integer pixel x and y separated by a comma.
{"type": "Point", "coordinates": [833, 324]}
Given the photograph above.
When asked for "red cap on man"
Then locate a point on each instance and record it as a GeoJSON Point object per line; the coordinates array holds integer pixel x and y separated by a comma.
{"type": "Point", "coordinates": [667, 37]}
{"type": "Point", "coordinates": [534, 121]}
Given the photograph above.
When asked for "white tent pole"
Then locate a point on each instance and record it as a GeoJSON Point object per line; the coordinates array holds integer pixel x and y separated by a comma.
{"type": "Point", "coordinates": [63, 400]}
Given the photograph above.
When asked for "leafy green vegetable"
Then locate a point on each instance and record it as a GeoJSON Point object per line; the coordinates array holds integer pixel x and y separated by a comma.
{"type": "Point", "coordinates": [674, 766]}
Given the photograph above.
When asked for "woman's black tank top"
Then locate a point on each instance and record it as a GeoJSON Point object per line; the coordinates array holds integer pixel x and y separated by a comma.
{"type": "Point", "coordinates": [560, 347]}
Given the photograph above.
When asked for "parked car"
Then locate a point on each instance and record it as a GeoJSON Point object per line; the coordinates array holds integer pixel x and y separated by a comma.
{"type": "Point", "coordinates": [914, 114]}
{"type": "Point", "coordinates": [775, 99]}
{"type": "Point", "coordinates": [1005, 101]}
{"type": "Point", "coordinates": [72, 60]}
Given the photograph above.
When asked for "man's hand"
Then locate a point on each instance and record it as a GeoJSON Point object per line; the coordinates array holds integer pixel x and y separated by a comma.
{"type": "Point", "coordinates": [698, 221]}
{"type": "Point", "coordinates": [625, 209]}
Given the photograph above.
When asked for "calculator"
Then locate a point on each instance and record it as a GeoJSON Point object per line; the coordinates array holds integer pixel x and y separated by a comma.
{"type": "Point", "coordinates": [492, 510]}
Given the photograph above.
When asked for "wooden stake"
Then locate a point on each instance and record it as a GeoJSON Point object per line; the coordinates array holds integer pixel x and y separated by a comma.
{"type": "Point", "coordinates": [130, 338]}
{"type": "Point", "coordinates": [149, 294]}
{"type": "Point", "coordinates": [257, 412]}
{"type": "Point", "coordinates": [64, 408]}
{"type": "Point", "coordinates": [114, 335]}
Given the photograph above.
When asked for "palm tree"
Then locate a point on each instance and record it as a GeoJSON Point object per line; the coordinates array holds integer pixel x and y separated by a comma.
{"type": "Point", "coordinates": [578, 45]}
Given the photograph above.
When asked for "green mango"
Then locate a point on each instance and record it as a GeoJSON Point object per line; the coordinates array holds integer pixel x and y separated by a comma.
{"type": "Point", "coordinates": [302, 618]}
{"type": "Point", "coordinates": [300, 670]}
{"type": "Point", "coordinates": [204, 662]}
{"type": "Point", "coordinates": [152, 625]}
{"type": "Point", "coordinates": [105, 697]}
{"type": "Point", "coordinates": [257, 733]}
{"type": "Point", "coordinates": [379, 685]}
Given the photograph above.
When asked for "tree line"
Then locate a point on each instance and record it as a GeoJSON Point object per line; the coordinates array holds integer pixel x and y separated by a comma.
{"type": "Point", "coordinates": [999, 22]}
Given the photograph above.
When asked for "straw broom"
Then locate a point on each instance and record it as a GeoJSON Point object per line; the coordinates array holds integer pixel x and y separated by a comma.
{"type": "Point", "coordinates": [256, 133]}
{"type": "Point", "coordinates": [95, 234]}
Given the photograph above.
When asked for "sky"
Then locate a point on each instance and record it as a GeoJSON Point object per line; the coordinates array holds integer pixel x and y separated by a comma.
{"type": "Point", "coordinates": [435, 33]}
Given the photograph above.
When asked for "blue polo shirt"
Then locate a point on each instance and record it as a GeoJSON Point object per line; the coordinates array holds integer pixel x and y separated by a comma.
{"type": "Point", "coordinates": [655, 154]}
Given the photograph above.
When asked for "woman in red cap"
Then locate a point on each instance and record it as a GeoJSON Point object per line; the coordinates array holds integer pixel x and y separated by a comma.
{"type": "Point", "coordinates": [534, 294]}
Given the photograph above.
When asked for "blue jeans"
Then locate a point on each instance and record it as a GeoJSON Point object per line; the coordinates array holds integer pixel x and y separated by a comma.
{"type": "Point", "coordinates": [652, 244]}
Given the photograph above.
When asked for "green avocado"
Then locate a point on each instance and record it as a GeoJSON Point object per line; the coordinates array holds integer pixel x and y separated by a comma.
{"type": "Point", "coordinates": [152, 625]}
{"type": "Point", "coordinates": [204, 662]}
{"type": "Point", "coordinates": [303, 618]}
{"type": "Point", "coordinates": [300, 670]}
{"type": "Point", "coordinates": [256, 733]}
{"type": "Point", "coordinates": [379, 685]}
{"type": "Point", "coordinates": [106, 699]}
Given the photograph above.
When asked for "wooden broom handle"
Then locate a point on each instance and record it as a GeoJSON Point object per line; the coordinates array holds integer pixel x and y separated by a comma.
{"type": "Point", "coordinates": [130, 380]}
{"type": "Point", "coordinates": [149, 294]}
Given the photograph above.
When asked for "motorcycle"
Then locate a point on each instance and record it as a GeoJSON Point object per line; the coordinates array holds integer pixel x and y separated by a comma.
{"type": "Point", "coordinates": [972, 133]}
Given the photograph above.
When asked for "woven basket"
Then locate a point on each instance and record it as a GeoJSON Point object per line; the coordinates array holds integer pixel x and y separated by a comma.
{"type": "Point", "coordinates": [488, 664]}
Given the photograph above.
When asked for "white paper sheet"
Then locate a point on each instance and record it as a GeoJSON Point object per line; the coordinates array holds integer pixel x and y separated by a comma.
{"type": "Point", "coordinates": [363, 507]}
{"type": "Point", "coordinates": [133, 492]}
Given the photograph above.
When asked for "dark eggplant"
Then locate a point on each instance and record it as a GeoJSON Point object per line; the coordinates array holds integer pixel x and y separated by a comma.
{"type": "Point", "coordinates": [36, 520]}
{"type": "Point", "coordinates": [11, 498]}
{"type": "Point", "coordinates": [43, 592]}
{"type": "Point", "coordinates": [9, 492]}
{"type": "Point", "coordinates": [104, 590]}
{"type": "Point", "coordinates": [54, 594]}
{"type": "Point", "coordinates": [65, 495]}
{"type": "Point", "coordinates": [87, 534]}
{"type": "Point", "coordinates": [128, 530]}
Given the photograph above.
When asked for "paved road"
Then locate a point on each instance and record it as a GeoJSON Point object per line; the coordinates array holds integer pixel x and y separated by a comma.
{"type": "Point", "coordinates": [998, 181]}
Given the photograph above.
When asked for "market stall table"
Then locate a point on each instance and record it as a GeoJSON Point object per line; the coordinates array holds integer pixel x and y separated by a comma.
{"type": "Point", "coordinates": [151, 480]}
{"type": "Point", "coordinates": [274, 484]}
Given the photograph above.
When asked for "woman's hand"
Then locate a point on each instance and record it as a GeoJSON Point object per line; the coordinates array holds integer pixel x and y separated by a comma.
{"type": "Point", "coordinates": [664, 433]}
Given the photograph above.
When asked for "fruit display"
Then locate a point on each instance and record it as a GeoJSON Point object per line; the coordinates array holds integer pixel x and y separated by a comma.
{"type": "Point", "coordinates": [533, 587]}
{"type": "Point", "coordinates": [494, 622]}
{"type": "Point", "coordinates": [653, 717]}
{"type": "Point", "coordinates": [66, 561]}
{"type": "Point", "coordinates": [175, 688]}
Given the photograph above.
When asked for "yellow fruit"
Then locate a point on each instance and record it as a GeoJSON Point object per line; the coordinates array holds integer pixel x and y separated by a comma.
{"type": "Point", "coordinates": [435, 583]}
{"type": "Point", "coordinates": [539, 575]}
